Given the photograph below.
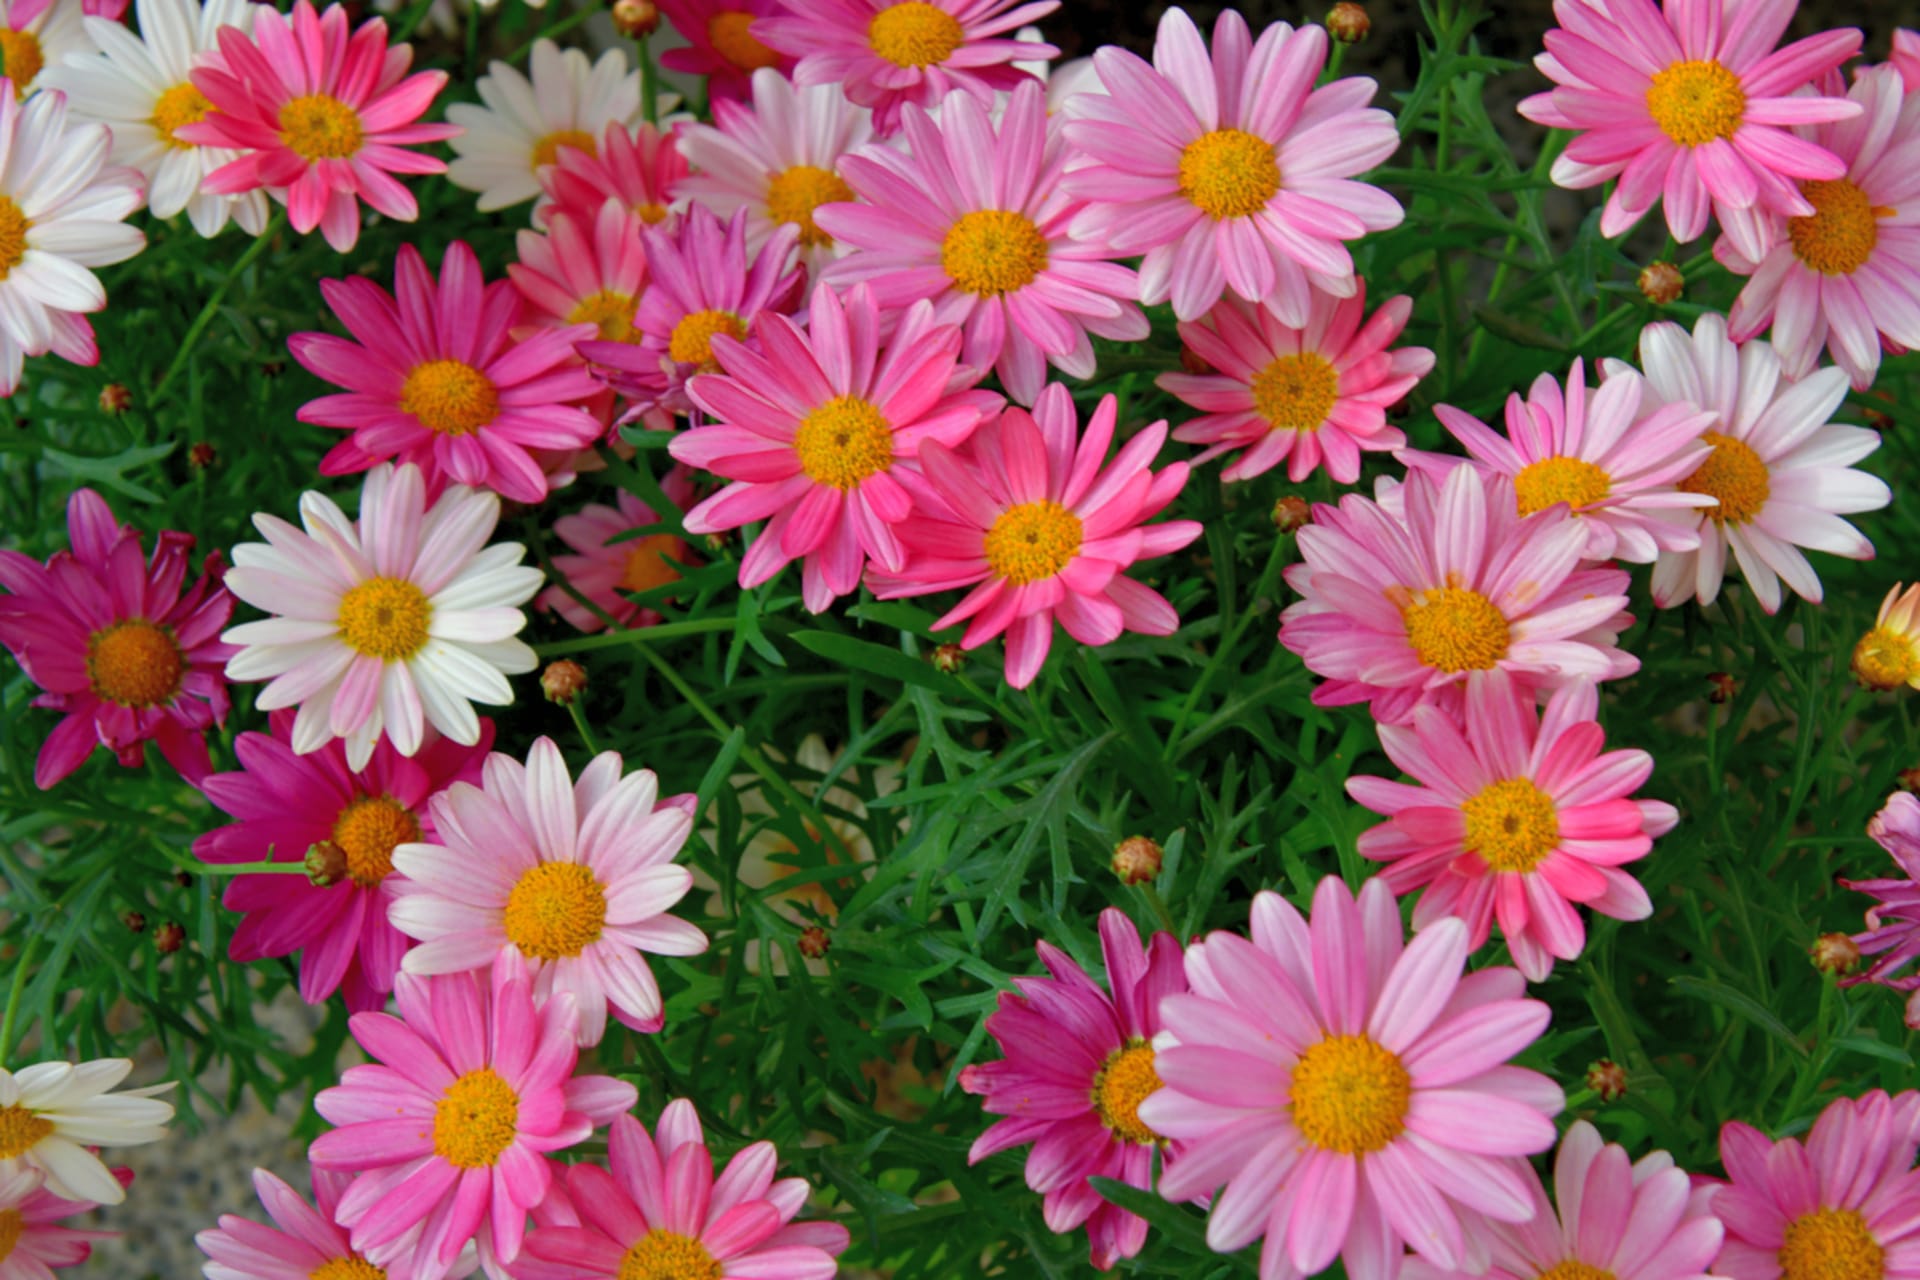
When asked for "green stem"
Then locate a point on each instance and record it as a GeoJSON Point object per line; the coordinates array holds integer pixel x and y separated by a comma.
{"type": "Point", "coordinates": [580, 723]}
{"type": "Point", "coordinates": [1159, 906]}
{"type": "Point", "coordinates": [19, 987]}
{"type": "Point", "coordinates": [205, 318]}
{"type": "Point", "coordinates": [649, 81]}
{"type": "Point", "coordinates": [251, 868]}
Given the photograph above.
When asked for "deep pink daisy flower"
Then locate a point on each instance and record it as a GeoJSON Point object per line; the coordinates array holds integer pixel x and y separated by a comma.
{"type": "Point", "coordinates": [306, 1240]}
{"type": "Point", "coordinates": [723, 43]}
{"type": "Point", "coordinates": [478, 1085]}
{"type": "Point", "coordinates": [1893, 923]}
{"type": "Point", "coordinates": [1689, 106]}
{"type": "Point", "coordinates": [285, 805]}
{"type": "Point", "coordinates": [888, 53]}
{"type": "Point", "coordinates": [640, 168]}
{"type": "Point", "coordinates": [1309, 395]}
{"type": "Point", "coordinates": [1352, 1092]}
{"type": "Point", "coordinates": [660, 1210]}
{"type": "Point", "coordinates": [36, 1243]}
{"type": "Point", "coordinates": [1519, 818]}
{"type": "Point", "coordinates": [325, 118]}
{"type": "Point", "coordinates": [1079, 1062]}
{"type": "Point", "coordinates": [810, 428]}
{"type": "Point", "coordinates": [975, 220]}
{"type": "Point", "coordinates": [609, 565]}
{"type": "Point", "coordinates": [434, 376]}
{"type": "Point", "coordinates": [126, 655]}
{"type": "Point", "coordinates": [1228, 169]}
{"type": "Point", "coordinates": [1032, 520]}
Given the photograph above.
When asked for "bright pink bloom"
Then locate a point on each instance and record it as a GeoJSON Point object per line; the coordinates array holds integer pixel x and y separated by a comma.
{"type": "Point", "coordinates": [641, 168]}
{"type": "Point", "coordinates": [661, 1211]}
{"type": "Point", "coordinates": [723, 43]}
{"type": "Point", "coordinates": [584, 270]}
{"type": "Point", "coordinates": [435, 377]}
{"type": "Point", "coordinates": [288, 803]}
{"type": "Point", "coordinates": [1228, 169]}
{"type": "Point", "coordinates": [809, 428]}
{"type": "Point", "coordinates": [309, 1240]}
{"type": "Point", "coordinates": [326, 118]}
{"type": "Point", "coordinates": [1352, 1092]}
{"type": "Point", "coordinates": [116, 645]}
{"type": "Point", "coordinates": [1893, 923]}
{"type": "Point", "coordinates": [1031, 519]}
{"type": "Point", "coordinates": [29, 1224]}
{"type": "Point", "coordinates": [609, 565]}
{"type": "Point", "coordinates": [1307, 395]}
{"type": "Point", "coordinates": [1079, 1062]}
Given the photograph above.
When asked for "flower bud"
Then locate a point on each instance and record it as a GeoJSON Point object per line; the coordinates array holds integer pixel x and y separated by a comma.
{"type": "Point", "coordinates": [814, 942]}
{"type": "Point", "coordinates": [135, 922]}
{"type": "Point", "coordinates": [326, 864]}
{"type": "Point", "coordinates": [202, 455]}
{"type": "Point", "coordinates": [1348, 23]}
{"type": "Point", "coordinates": [1661, 283]}
{"type": "Point", "coordinates": [1136, 860]}
{"type": "Point", "coordinates": [115, 398]}
{"type": "Point", "coordinates": [1910, 779]}
{"type": "Point", "coordinates": [1834, 953]}
{"type": "Point", "coordinates": [1291, 513]}
{"type": "Point", "coordinates": [1720, 688]}
{"type": "Point", "coordinates": [635, 18]}
{"type": "Point", "coordinates": [1607, 1079]}
{"type": "Point", "coordinates": [184, 879]}
{"type": "Point", "coordinates": [563, 681]}
{"type": "Point", "coordinates": [947, 658]}
{"type": "Point", "coordinates": [169, 938]}
{"type": "Point", "coordinates": [718, 541]}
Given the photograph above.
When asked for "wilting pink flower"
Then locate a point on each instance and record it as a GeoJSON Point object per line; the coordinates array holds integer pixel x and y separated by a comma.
{"type": "Point", "coordinates": [608, 566]}
{"type": "Point", "coordinates": [308, 1241]}
{"type": "Point", "coordinates": [1893, 922]}
{"type": "Point", "coordinates": [723, 43]}
{"type": "Point", "coordinates": [640, 168]}
{"type": "Point", "coordinates": [30, 1216]}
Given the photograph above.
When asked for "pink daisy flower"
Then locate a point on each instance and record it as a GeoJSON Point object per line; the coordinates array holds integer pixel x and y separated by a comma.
{"type": "Point", "coordinates": [609, 565]}
{"type": "Point", "coordinates": [582, 271]}
{"type": "Point", "coordinates": [325, 118]}
{"type": "Point", "coordinates": [640, 168]}
{"type": "Point", "coordinates": [448, 1135]}
{"type": "Point", "coordinates": [975, 220]}
{"type": "Point", "coordinates": [809, 429]}
{"type": "Point", "coordinates": [1228, 169]}
{"type": "Point", "coordinates": [118, 648]}
{"type": "Point", "coordinates": [1906, 56]}
{"type": "Point", "coordinates": [306, 1239]}
{"type": "Point", "coordinates": [286, 804]}
{"type": "Point", "coordinates": [723, 44]}
{"type": "Point", "coordinates": [1079, 1062]}
{"type": "Point", "coordinates": [1352, 1093]}
{"type": "Point", "coordinates": [1300, 395]}
{"type": "Point", "coordinates": [434, 377]}
{"type": "Point", "coordinates": [659, 1210]}
{"type": "Point", "coordinates": [1041, 530]}
{"type": "Point", "coordinates": [576, 877]}
{"type": "Point", "coordinates": [1893, 922]}
{"type": "Point", "coordinates": [1400, 609]}
{"type": "Point", "coordinates": [886, 54]}
{"type": "Point", "coordinates": [35, 1242]}
{"type": "Point", "coordinates": [1517, 818]}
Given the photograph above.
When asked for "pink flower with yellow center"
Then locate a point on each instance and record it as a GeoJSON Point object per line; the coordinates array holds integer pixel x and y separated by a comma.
{"type": "Point", "coordinates": [1888, 655]}
{"type": "Point", "coordinates": [586, 270]}
{"type": "Point", "coordinates": [306, 1241]}
{"type": "Point", "coordinates": [723, 44]}
{"type": "Point", "coordinates": [1892, 935]}
{"type": "Point", "coordinates": [611, 563]}
{"type": "Point", "coordinates": [33, 1244]}
{"type": "Point", "coordinates": [1906, 57]}
{"type": "Point", "coordinates": [640, 168]}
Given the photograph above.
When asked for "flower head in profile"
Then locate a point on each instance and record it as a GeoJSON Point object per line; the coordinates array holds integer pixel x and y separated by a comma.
{"type": "Point", "coordinates": [52, 1115]}
{"type": "Point", "coordinates": [1888, 655]}
{"type": "Point", "coordinates": [607, 562]}
{"type": "Point", "coordinates": [1892, 935]}
{"type": "Point", "coordinates": [30, 1227]}
{"type": "Point", "coordinates": [723, 44]}
{"type": "Point", "coordinates": [306, 1239]}
{"type": "Point", "coordinates": [640, 168]}
{"type": "Point", "coordinates": [520, 124]}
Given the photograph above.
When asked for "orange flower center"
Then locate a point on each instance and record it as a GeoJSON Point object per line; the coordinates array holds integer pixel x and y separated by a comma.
{"type": "Point", "coordinates": [13, 236]}
{"type": "Point", "coordinates": [1574, 481]}
{"type": "Point", "coordinates": [612, 311]}
{"type": "Point", "coordinates": [476, 1120]}
{"type": "Point", "coordinates": [20, 1131]}
{"type": "Point", "coordinates": [21, 57]}
{"type": "Point", "coordinates": [1831, 1244]}
{"type": "Point", "coordinates": [1455, 629]}
{"type": "Point", "coordinates": [1296, 393]}
{"type": "Point", "coordinates": [692, 340]}
{"type": "Point", "coordinates": [1697, 102]}
{"type": "Point", "coordinates": [915, 34]}
{"type": "Point", "coordinates": [731, 34]}
{"type": "Point", "coordinates": [1229, 173]}
{"type": "Point", "coordinates": [368, 831]}
{"type": "Point", "coordinates": [319, 126]}
{"type": "Point", "coordinates": [651, 562]}
{"type": "Point", "coordinates": [1350, 1095]}
{"type": "Point", "coordinates": [178, 107]}
{"type": "Point", "coordinates": [547, 150]}
{"type": "Point", "coordinates": [843, 442]}
{"type": "Point", "coordinates": [1840, 235]}
{"type": "Point", "coordinates": [385, 618]}
{"type": "Point", "coordinates": [135, 664]}
{"type": "Point", "coordinates": [352, 1267]}
{"type": "Point", "coordinates": [993, 251]}
{"type": "Point", "coordinates": [449, 397]}
{"type": "Point", "coordinates": [1121, 1085]}
{"type": "Point", "coordinates": [1735, 476]}
{"type": "Point", "coordinates": [667, 1255]}
{"type": "Point", "coordinates": [793, 194]}
{"type": "Point", "coordinates": [556, 909]}
{"type": "Point", "coordinates": [1511, 824]}
{"type": "Point", "coordinates": [1032, 541]}
{"type": "Point", "coordinates": [1885, 659]}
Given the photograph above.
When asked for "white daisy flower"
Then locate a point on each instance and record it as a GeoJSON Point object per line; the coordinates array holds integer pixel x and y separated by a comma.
{"type": "Point", "coordinates": [37, 36]}
{"type": "Point", "coordinates": [569, 102]}
{"type": "Point", "coordinates": [138, 86]}
{"type": "Point", "coordinates": [385, 624]}
{"type": "Point", "coordinates": [51, 1112]}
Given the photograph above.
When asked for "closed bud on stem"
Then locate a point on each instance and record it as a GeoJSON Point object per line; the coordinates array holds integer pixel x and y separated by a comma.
{"type": "Point", "coordinates": [202, 455]}
{"type": "Point", "coordinates": [563, 681]}
{"type": "Point", "coordinates": [169, 938]}
{"type": "Point", "coordinates": [135, 922]}
{"type": "Point", "coordinates": [326, 864]}
{"type": "Point", "coordinates": [814, 942]}
{"type": "Point", "coordinates": [115, 398]}
{"type": "Point", "coordinates": [947, 658]}
{"type": "Point", "coordinates": [1136, 860]}
{"type": "Point", "coordinates": [1661, 283]}
{"type": "Point", "coordinates": [635, 18]}
{"type": "Point", "coordinates": [1607, 1079]}
{"type": "Point", "coordinates": [1291, 513]}
{"type": "Point", "coordinates": [1834, 953]}
{"type": "Point", "coordinates": [1348, 22]}
{"type": "Point", "coordinates": [1720, 688]}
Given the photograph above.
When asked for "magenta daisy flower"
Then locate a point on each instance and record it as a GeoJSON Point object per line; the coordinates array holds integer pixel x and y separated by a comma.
{"type": "Point", "coordinates": [286, 804]}
{"type": "Point", "coordinates": [723, 44]}
{"type": "Point", "coordinates": [1519, 818]}
{"type": "Point", "coordinates": [306, 1239]}
{"type": "Point", "coordinates": [886, 54]}
{"type": "Point", "coordinates": [1228, 169]}
{"type": "Point", "coordinates": [1893, 922]}
{"type": "Point", "coordinates": [325, 118]}
{"type": "Point", "coordinates": [1307, 395]}
{"type": "Point", "coordinates": [36, 1243]}
{"type": "Point", "coordinates": [1689, 106]}
{"type": "Point", "coordinates": [610, 565]}
{"type": "Point", "coordinates": [660, 1210]}
{"type": "Point", "coordinates": [1079, 1062]}
{"type": "Point", "coordinates": [809, 429]}
{"type": "Point", "coordinates": [1041, 530]}
{"type": "Point", "coordinates": [477, 1086]}
{"type": "Point", "coordinates": [1352, 1092]}
{"type": "Point", "coordinates": [118, 648]}
{"type": "Point", "coordinates": [640, 168]}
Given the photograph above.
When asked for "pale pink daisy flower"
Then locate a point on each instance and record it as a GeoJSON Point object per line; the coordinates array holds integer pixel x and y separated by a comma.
{"type": "Point", "coordinates": [1036, 520]}
{"type": "Point", "coordinates": [477, 1086]}
{"type": "Point", "coordinates": [120, 650]}
{"type": "Point", "coordinates": [1517, 817]}
{"type": "Point", "coordinates": [1781, 473]}
{"type": "Point", "coordinates": [607, 566]}
{"type": "Point", "coordinates": [582, 271]}
{"type": "Point", "coordinates": [35, 1243]}
{"type": "Point", "coordinates": [1228, 169]}
{"type": "Point", "coordinates": [811, 429]}
{"type": "Point", "coordinates": [1078, 1063]}
{"type": "Point", "coordinates": [886, 54]}
{"type": "Point", "coordinates": [659, 1209]}
{"type": "Point", "coordinates": [1690, 106]}
{"type": "Point", "coordinates": [641, 168]}
{"type": "Point", "coordinates": [521, 125]}
{"type": "Point", "coordinates": [722, 44]}
{"type": "Point", "coordinates": [975, 220]}
{"type": "Point", "coordinates": [324, 118]}
{"type": "Point", "coordinates": [305, 1241]}
{"type": "Point", "coordinates": [1306, 395]}
{"type": "Point", "coordinates": [57, 1116]}
{"type": "Point", "coordinates": [1350, 1089]}
{"type": "Point", "coordinates": [1906, 56]}
{"type": "Point", "coordinates": [576, 877]}
{"type": "Point", "coordinates": [1893, 922]}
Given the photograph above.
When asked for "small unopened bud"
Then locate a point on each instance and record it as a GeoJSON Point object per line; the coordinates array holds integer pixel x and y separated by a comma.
{"type": "Point", "coordinates": [1607, 1079]}
{"type": "Point", "coordinates": [273, 368]}
{"type": "Point", "coordinates": [1720, 688]}
{"type": "Point", "coordinates": [718, 542]}
{"type": "Point", "coordinates": [635, 18]}
{"type": "Point", "coordinates": [947, 658]}
{"type": "Point", "coordinates": [184, 879]}
{"type": "Point", "coordinates": [326, 864]}
{"type": "Point", "coordinates": [115, 398]}
{"type": "Point", "coordinates": [202, 455]}
{"type": "Point", "coordinates": [169, 938]}
{"type": "Point", "coordinates": [1348, 22]}
{"type": "Point", "coordinates": [135, 922]}
{"type": "Point", "coordinates": [1136, 860]}
{"type": "Point", "coordinates": [1834, 953]}
{"type": "Point", "coordinates": [1193, 362]}
{"type": "Point", "coordinates": [1910, 779]}
{"type": "Point", "coordinates": [1661, 283]}
{"type": "Point", "coordinates": [1291, 513]}
{"type": "Point", "coordinates": [814, 942]}
{"type": "Point", "coordinates": [563, 681]}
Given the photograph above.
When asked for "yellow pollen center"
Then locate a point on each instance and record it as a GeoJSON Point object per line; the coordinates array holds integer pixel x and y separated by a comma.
{"type": "Point", "coordinates": [1839, 236]}
{"type": "Point", "coordinates": [612, 311]}
{"type": "Point", "coordinates": [1574, 481]}
{"type": "Point", "coordinates": [367, 831]}
{"type": "Point", "coordinates": [1296, 393]}
{"type": "Point", "coordinates": [12, 1227]}
{"type": "Point", "coordinates": [915, 34]}
{"type": "Point", "coordinates": [650, 213]}
{"type": "Point", "coordinates": [1122, 1084]}
{"type": "Point", "coordinates": [692, 340]}
{"type": "Point", "coordinates": [1350, 1095]}
{"type": "Point", "coordinates": [320, 127]}
{"type": "Point", "coordinates": [1456, 629]}
{"type": "Point", "coordinates": [668, 1255]}
{"type": "Point", "coordinates": [731, 34]}
{"type": "Point", "coordinates": [650, 562]}
{"type": "Point", "coordinates": [21, 57]}
{"type": "Point", "coordinates": [1512, 824]}
{"type": "Point", "coordinates": [1696, 102]}
{"type": "Point", "coordinates": [385, 618]}
{"type": "Point", "coordinates": [1734, 475]}
{"type": "Point", "coordinates": [547, 150]}
{"type": "Point", "coordinates": [178, 107]}
{"type": "Point", "coordinates": [556, 910]}
{"type": "Point", "coordinates": [449, 397]}
{"type": "Point", "coordinates": [1032, 541]}
{"type": "Point", "coordinates": [353, 1267]}
{"type": "Point", "coordinates": [843, 442]}
{"type": "Point", "coordinates": [13, 236]}
{"type": "Point", "coordinates": [135, 664]}
{"type": "Point", "coordinates": [993, 251]}
{"type": "Point", "coordinates": [20, 1129]}
{"type": "Point", "coordinates": [1229, 173]}
{"type": "Point", "coordinates": [793, 194]}
{"type": "Point", "coordinates": [1885, 659]}
{"type": "Point", "coordinates": [1831, 1244]}
{"type": "Point", "coordinates": [475, 1120]}
{"type": "Point", "coordinates": [1574, 1269]}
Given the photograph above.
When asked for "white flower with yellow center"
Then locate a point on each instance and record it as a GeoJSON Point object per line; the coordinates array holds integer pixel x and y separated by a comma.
{"type": "Point", "coordinates": [569, 102]}
{"type": "Point", "coordinates": [37, 36]}
{"type": "Point", "coordinates": [51, 1112]}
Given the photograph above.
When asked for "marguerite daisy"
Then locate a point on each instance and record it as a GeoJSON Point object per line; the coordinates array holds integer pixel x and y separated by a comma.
{"type": "Point", "coordinates": [524, 123]}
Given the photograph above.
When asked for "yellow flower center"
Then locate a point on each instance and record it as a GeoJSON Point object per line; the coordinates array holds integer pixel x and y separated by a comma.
{"type": "Point", "coordinates": [1511, 824]}
{"type": "Point", "coordinates": [385, 618]}
{"type": "Point", "coordinates": [993, 251]}
{"type": "Point", "coordinates": [547, 150]}
{"type": "Point", "coordinates": [1229, 173]}
{"type": "Point", "coordinates": [475, 1120]}
{"type": "Point", "coordinates": [793, 194]}
{"type": "Point", "coordinates": [650, 563]}
{"type": "Point", "coordinates": [21, 58]}
{"type": "Point", "coordinates": [1696, 102]}
{"type": "Point", "coordinates": [13, 236]}
{"type": "Point", "coordinates": [1455, 629]}
{"type": "Point", "coordinates": [1350, 1095]}
{"type": "Point", "coordinates": [20, 1130]}
{"type": "Point", "coordinates": [1032, 541]}
{"type": "Point", "coordinates": [1734, 475]}
{"type": "Point", "coordinates": [1122, 1084]}
{"type": "Point", "coordinates": [915, 34]}
{"type": "Point", "coordinates": [449, 397]}
{"type": "Point", "coordinates": [650, 213]}
{"type": "Point", "coordinates": [1574, 481]}
{"type": "Point", "coordinates": [178, 107]}
{"type": "Point", "coordinates": [1831, 1244]}
{"type": "Point", "coordinates": [556, 910]}
{"type": "Point", "coordinates": [367, 831]}
{"type": "Point", "coordinates": [843, 442]}
{"type": "Point", "coordinates": [731, 34]}
{"type": "Point", "coordinates": [135, 664]}
{"type": "Point", "coordinates": [1296, 393]}
{"type": "Point", "coordinates": [320, 127]}
{"type": "Point", "coordinates": [1885, 659]}
{"type": "Point", "coordinates": [668, 1255]}
{"type": "Point", "coordinates": [1574, 1269]}
{"type": "Point", "coordinates": [692, 340]}
{"type": "Point", "coordinates": [1839, 236]}
{"type": "Point", "coordinates": [612, 311]}
{"type": "Point", "coordinates": [12, 1227]}
{"type": "Point", "coordinates": [352, 1267]}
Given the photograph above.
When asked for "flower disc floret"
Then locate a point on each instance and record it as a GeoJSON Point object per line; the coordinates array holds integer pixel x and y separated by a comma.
{"type": "Point", "coordinates": [1512, 824]}
{"type": "Point", "coordinates": [1841, 233]}
{"type": "Point", "coordinates": [608, 310]}
{"type": "Point", "coordinates": [475, 1120]}
{"type": "Point", "coordinates": [1697, 102]}
{"type": "Point", "coordinates": [179, 106]}
{"type": "Point", "coordinates": [349, 1268]}
{"type": "Point", "coordinates": [556, 909]}
{"type": "Point", "coordinates": [1456, 629]}
{"type": "Point", "coordinates": [1350, 1094]}
{"type": "Point", "coordinates": [318, 126]}
{"type": "Point", "coordinates": [546, 150]}
{"type": "Point", "coordinates": [1297, 392]}
{"type": "Point", "coordinates": [843, 442]}
{"type": "Point", "coordinates": [1733, 475]}
{"type": "Point", "coordinates": [1574, 481]}
{"type": "Point", "coordinates": [13, 236]}
{"type": "Point", "coordinates": [668, 1255]}
{"type": "Point", "coordinates": [135, 664]}
{"type": "Point", "coordinates": [21, 58]}
{"type": "Point", "coordinates": [1032, 541]}
{"type": "Point", "coordinates": [385, 618]}
{"type": "Point", "coordinates": [1229, 173]}
{"type": "Point", "coordinates": [990, 252]}
{"type": "Point", "coordinates": [20, 1130]}
{"type": "Point", "coordinates": [1574, 1269]}
{"type": "Point", "coordinates": [1831, 1244]}
{"type": "Point", "coordinates": [367, 831]}
{"type": "Point", "coordinates": [1124, 1081]}
{"type": "Point", "coordinates": [692, 340]}
{"type": "Point", "coordinates": [449, 397]}
{"type": "Point", "coordinates": [731, 33]}
{"type": "Point", "coordinates": [915, 34]}
{"type": "Point", "coordinates": [795, 192]}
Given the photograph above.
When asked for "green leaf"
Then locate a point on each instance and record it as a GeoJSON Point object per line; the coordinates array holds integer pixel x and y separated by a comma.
{"type": "Point", "coordinates": [1743, 1006]}
{"type": "Point", "coordinates": [1519, 331]}
{"type": "Point", "coordinates": [1874, 1049]}
{"type": "Point", "coordinates": [1177, 1225]}
{"type": "Point", "coordinates": [110, 472]}
{"type": "Point", "coordinates": [877, 660]}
